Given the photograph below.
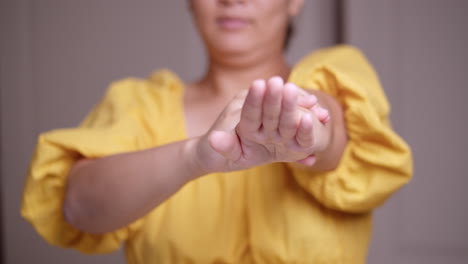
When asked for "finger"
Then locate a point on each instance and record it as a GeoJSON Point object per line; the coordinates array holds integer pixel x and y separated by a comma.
{"type": "Point", "coordinates": [302, 92]}
{"type": "Point", "coordinates": [272, 104]}
{"type": "Point", "coordinates": [321, 113]}
{"type": "Point", "coordinates": [288, 118]}
{"type": "Point", "coordinates": [307, 101]}
{"type": "Point", "coordinates": [225, 144]}
{"type": "Point", "coordinates": [251, 115]}
{"type": "Point", "coordinates": [304, 135]}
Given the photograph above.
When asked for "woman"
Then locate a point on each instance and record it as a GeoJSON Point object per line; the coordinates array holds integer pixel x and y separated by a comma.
{"type": "Point", "coordinates": [284, 180]}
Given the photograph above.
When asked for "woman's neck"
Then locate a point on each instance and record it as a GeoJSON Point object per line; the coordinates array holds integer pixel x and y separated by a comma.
{"type": "Point", "coordinates": [228, 77]}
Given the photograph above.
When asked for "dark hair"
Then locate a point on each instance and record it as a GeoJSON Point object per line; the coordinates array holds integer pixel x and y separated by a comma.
{"type": "Point", "coordinates": [289, 35]}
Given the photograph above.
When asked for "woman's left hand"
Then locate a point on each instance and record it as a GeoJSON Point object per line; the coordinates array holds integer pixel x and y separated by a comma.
{"type": "Point", "coordinates": [278, 123]}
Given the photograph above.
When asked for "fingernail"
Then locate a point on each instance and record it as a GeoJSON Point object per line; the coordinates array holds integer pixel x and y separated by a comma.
{"type": "Point", "coordinates": [323, 111]}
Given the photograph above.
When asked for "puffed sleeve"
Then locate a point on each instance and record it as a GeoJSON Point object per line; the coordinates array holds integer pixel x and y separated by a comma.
{"type": "Point", "coordinates": [376, 161]}
{"type": "Point", "coordinates": [117, 124]}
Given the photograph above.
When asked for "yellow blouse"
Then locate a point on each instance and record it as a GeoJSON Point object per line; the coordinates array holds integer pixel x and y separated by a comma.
{"type": "Point", "coordinates": [269, 214]}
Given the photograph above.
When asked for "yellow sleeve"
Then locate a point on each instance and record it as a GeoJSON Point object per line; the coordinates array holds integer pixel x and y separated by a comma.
{"type": "Point", "coordinates": [116, 125]}
{"type": "Point", "coordinates": [376, 161]}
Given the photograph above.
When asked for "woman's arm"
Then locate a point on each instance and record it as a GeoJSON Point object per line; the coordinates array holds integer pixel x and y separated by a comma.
{"type": "Point", "coordinates": [376, 161]}
{"type": "Point", "coordinates": [108, 193]}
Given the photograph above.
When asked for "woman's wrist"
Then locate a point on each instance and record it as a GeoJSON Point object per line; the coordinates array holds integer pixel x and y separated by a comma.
{"type": "Point", "coordinates": [195, 164]}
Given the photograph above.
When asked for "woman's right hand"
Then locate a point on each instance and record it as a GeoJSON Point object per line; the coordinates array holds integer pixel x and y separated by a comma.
{"type": "Point", "coordinates": [271, 122]}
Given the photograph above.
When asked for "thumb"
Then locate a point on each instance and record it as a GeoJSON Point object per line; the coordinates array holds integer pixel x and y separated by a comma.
{"type": "Point", "coordinates": [226, 144]}
{"type": "Point", "coordinates": [308, 161]}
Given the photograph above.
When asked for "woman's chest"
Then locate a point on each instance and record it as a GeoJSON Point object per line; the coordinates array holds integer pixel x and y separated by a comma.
{"type": "Point", "coordinates": [201, 110]}
{"type": "Point", "coordinates": [205, 221]}
{"type": "Point", "coordinates": [258, 216]}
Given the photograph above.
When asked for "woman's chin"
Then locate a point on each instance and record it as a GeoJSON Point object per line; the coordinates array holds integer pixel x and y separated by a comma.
{"type": "Point", "coordinates": [234, 48]}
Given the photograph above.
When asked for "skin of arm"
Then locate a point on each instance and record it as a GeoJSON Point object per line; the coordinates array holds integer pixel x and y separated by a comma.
{"type": "Point", "coordinates": [260, 126]}
{"type": "Point", "coordinates": [108, 193]}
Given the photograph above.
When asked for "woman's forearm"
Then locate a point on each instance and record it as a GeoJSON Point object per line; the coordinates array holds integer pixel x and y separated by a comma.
{"type": "Point", "coordinates": [108, 193]}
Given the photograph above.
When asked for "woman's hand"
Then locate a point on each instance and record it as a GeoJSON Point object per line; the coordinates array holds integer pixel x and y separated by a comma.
{"type": "Point", "coordinates": [272, 122]}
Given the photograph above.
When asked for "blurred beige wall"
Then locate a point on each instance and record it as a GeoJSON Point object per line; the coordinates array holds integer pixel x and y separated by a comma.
{"type": "Point", "coordinates": [419, 47]}
{"type": "Point", "coordinates": [57, 58]}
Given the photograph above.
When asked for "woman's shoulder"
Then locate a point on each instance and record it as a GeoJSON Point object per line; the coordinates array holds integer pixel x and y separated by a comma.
{"type": "Point", "coordinates": [338, 55]}
{"type": "Point", "coordinates": [161, 85]}
{"type": "Point", "coordinates": [342, 60]}
{"type": "Point", "coordinates": [159, 81]}
{"type": "Point", "coordinates": [333, 53]}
